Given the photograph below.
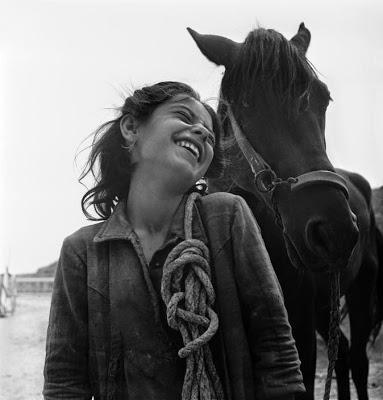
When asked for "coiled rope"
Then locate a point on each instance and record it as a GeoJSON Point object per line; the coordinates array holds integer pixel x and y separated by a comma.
{"type": "Point", "coordinates": [188, 293]}
{"type": "Point", "coordinates": [333, 341]}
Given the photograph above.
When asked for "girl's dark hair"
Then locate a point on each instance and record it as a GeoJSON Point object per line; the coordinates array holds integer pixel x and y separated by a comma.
{"type": "Point", "coordinates": [109, 164]}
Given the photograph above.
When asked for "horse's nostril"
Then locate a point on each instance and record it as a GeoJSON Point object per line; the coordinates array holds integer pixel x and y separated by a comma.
{"type": "Point", "coordinates": [354, 218]}
{"type": "Point", "coordinates": [330, 242]}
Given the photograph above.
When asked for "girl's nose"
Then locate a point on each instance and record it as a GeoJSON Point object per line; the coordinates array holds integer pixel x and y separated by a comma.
{"type": "Point", "coordinates": [200, 130]}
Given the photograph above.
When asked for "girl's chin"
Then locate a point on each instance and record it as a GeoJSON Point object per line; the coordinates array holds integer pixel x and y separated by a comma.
{"type": "Point", "coordinates": [185, 156]}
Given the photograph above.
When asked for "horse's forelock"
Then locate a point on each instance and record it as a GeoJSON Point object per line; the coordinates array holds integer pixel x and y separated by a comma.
{"type": "Point", "coordinates": [269, 62]}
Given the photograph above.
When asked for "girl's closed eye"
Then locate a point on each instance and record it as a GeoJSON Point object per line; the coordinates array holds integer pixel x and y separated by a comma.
{"type": "Point", "coordinates": [184, 116]}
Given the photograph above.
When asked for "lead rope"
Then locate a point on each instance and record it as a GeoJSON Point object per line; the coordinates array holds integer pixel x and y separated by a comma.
{"type": "Point", "coordinates": [333, 340]}
{"type": "Point", "coordinates": [189, 295]}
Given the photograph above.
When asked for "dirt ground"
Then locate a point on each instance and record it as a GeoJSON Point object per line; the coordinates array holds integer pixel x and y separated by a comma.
{"type": "Point", "coordinates": [375, 380]}
{"type": "Point", "coordinates": [22, 348]}
{"type": "Point", "coordinates": [22, 351]}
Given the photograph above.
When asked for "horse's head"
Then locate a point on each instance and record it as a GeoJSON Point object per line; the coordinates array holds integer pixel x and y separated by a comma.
{"type": "Point", "coordinates": [280, 105]}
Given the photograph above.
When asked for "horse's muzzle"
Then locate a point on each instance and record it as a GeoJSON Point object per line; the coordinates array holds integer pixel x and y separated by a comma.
{"type": "Point", "coordinates": [331, 243]}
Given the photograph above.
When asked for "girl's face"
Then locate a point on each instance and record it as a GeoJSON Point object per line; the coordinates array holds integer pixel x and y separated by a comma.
{"type": "Point", "coordinates": [176, 142]}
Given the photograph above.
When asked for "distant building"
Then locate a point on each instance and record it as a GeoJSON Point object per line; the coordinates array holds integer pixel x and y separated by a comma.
{"type": "Point", "coordinates": [49, 270]}
{"type": "Point", "coordinates": [40, 281]}
{"type": "Point", "coordinates": [34, 284]}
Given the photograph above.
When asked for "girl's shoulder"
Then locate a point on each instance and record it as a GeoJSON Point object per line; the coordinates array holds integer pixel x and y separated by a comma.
{"type": "Point", "coordinates": [222, 201]}
{"type": "Point", "coordinates": [83, 236]}
{"type": "Point", "coordinates": [221, 208]}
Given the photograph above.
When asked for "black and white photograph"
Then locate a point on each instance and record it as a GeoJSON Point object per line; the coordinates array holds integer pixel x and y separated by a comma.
{"type": "Point", "coordinates": [191, 199]}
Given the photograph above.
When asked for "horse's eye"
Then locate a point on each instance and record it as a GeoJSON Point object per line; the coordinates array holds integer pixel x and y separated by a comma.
{"type": "Point", "coordinates": [304, 103]}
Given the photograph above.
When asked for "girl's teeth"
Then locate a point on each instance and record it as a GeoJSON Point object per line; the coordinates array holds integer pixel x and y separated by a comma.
{"type": "Point", "coordinates": [189, 145]}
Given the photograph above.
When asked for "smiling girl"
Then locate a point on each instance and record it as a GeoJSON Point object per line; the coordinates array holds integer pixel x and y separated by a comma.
{"type": "Point", "coordinates": [172, 296]}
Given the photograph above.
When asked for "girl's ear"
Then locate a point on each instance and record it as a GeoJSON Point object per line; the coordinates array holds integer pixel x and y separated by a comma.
{"type": "Point", "coordinates": [128, 127]}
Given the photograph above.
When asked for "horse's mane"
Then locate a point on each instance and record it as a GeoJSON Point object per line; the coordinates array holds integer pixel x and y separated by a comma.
{"type": "Point", "coordinates": [269, 64]}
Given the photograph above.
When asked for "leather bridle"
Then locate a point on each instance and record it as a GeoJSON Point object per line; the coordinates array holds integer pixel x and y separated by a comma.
{"type": "Point", "coordinates": [265, 178]}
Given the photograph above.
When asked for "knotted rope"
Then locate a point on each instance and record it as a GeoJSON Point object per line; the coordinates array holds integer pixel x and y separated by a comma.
{"type": "Point", "coordinates": [188, 293]}
{"type": "Point", "coordinates": [333, 340]}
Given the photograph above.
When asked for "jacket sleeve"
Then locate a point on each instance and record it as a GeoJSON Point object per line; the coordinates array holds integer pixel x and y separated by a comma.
{"type": "Point", "coordinates": [272, 347]}
{"type": "Point", "coordinates": [66, 362]}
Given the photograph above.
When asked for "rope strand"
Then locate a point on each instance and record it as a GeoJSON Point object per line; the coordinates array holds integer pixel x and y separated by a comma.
{"type": "Point", "coordinates": [189, 295]}
{"type": "Point", "coordinates": [333, 340]}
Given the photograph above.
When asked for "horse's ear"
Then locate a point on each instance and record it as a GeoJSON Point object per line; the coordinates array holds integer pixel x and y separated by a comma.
{"type": "Point", "coordinates": [302, 38]}
{"type": "Point", "coordinates": [218, 49]}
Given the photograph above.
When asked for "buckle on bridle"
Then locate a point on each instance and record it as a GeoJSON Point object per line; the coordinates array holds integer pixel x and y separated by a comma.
{"type": "Point", "coordinates": [265, 180]}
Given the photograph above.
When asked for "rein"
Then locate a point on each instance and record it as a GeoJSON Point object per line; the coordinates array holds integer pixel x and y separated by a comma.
{"type": "Point", "coordinates": [266, 180]}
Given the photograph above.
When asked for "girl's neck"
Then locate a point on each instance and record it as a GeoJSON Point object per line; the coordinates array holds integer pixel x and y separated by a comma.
{"type": "Point", "coordinates": [151, 206]}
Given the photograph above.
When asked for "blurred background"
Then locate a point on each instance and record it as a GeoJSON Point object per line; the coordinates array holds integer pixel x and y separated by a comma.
{"type": "Point", "coordinates": [65, 65]}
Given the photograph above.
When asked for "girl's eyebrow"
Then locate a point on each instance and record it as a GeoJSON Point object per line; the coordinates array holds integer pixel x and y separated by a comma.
{"type": "Point", "coordinates": [175, 105]}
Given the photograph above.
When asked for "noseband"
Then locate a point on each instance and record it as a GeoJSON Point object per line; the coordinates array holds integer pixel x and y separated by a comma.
{"type": "Point", "coordinates": [266, 180]}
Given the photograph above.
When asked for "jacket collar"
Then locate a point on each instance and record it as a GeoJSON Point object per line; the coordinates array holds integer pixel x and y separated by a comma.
{"type": "Point", "coordinates": [118, 227]}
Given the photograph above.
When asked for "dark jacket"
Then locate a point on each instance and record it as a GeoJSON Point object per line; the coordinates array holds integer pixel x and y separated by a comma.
{"type": "Point", "coordinates": [258, 358]}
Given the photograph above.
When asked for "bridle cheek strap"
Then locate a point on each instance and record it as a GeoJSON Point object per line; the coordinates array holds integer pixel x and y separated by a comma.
{"type": "Point", "coordinates": [266, 179]}
{"type": "Point", "coordinates": [254, 159]}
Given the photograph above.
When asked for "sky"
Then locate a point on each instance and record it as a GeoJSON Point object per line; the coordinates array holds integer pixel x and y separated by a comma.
{"type": "Point", "coordinates": [65, 65]}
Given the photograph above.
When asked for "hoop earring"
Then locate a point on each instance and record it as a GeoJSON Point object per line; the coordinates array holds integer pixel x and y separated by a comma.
{"type": "Point", "coordinates": [201, 186]}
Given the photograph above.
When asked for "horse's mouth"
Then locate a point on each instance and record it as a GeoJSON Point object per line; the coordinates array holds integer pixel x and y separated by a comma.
{"type": "Point", "coordinates": [298, 261]}
{"type": "Point", "coordinates": [316, 265]}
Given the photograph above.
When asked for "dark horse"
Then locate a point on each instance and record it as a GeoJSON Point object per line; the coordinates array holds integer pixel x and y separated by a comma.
{"type": "Point", "coordinates": [325, 216]}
